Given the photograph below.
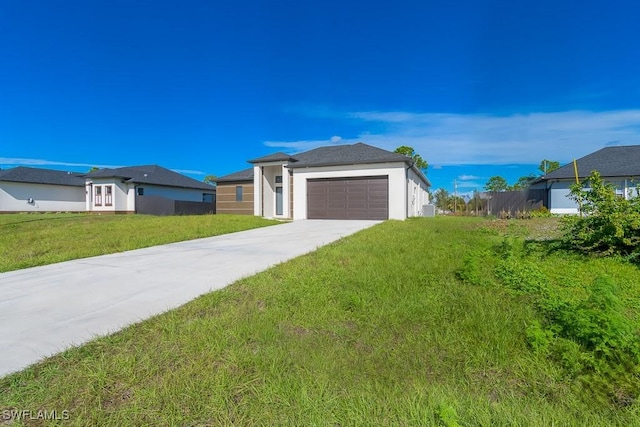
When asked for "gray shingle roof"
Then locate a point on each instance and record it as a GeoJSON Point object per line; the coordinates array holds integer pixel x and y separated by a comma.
{"type": "Point", "coordinates": [42, 176]}
{"type": "Point", "coordinates": [275, 157]}
{"type": "Point", "coordinates": [153, 175]}
{"type": "Point", "coordinates": [243, 175]}
{"type": "Point", "coordinates": [622, 161]}
{"type": "Point", "coordinates": [346, 155]}
{"type": "Point", "coordinates": [333, 155]}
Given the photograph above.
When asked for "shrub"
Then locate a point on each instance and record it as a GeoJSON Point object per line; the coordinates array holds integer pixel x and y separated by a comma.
{"type": "Point", "coordinates": [608, 225]}
{"type": "Point", "coordinates": [541, 212]}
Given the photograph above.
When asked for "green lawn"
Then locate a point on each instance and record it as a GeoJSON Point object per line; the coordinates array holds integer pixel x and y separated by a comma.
{"type": "Point", "coordinates": [405, 323]}
{"type": "Point", "coordinates": [28, 240]}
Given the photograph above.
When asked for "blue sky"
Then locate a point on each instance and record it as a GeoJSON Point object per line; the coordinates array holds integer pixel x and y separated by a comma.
{"type": "Point", "coordinates": [478, 88]}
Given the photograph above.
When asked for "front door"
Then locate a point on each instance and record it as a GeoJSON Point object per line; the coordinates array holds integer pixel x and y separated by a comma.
{"type": "Point", "coordinates": [279, 200]}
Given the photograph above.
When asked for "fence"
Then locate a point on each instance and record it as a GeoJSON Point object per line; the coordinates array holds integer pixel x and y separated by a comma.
{"type": "Point", "coordinates": [514, 201]}
{"type": "Point", "coordinates": [157, 205]}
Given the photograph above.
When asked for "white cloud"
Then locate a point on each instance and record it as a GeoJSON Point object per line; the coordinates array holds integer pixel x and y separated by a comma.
{"type": "Point", "coordinates": [304, 145]}
{"type": "Point", "coordinates": [188, 172]}
{"type": "Point", "coordinates": [468, 177]}
{"type": "Point", "coordinates": [458, 139]}
{"type": "Point", "coordinates": [469, 184]}
{"type": "Point", "coordinates": [15, 161]}
{"type": "Point", "coordinates": [40, 162]}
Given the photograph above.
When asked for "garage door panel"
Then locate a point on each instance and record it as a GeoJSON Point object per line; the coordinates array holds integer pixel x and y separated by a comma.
{"type": "Point", "coordinates": [348, 198]}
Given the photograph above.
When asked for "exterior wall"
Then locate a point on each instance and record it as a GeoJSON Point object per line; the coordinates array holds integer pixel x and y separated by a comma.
{"type": "Point", "coordinates": [124, 195]}
{"type": "Point", "coordinates": [226, 198]}
{"type": "Point", "coordinates": [290, 179]}
{"type": "Point", "coordinates": [265, 197]}
{"type": "Point", "coordinates": [560, 203]}
{"type": "Point", "coordinates": [175, 193]}
{"type": "Point", "coordinates": [395, 172]}
{"type": "Point", "coordinates": [14, 197]}
{"type": "Point", "coordinates": [121, 202]}
{"type": "Point", "coordinates": [417, 194]}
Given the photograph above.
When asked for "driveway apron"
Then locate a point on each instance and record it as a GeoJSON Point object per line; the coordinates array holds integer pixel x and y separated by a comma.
{"type": "Point", "coordinates": [44, 310]}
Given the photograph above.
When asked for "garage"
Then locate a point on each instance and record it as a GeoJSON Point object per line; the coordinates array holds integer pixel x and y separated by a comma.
{"type": "Point", "coordinates": [348, 198]}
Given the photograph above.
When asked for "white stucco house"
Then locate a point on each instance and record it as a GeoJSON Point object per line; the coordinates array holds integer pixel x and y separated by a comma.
{"type": "Point", "coordinates": [618, 165]}
{"type": "Point", "coordinates": [25, 189]}
{"type": "Point", "coordinates": [356, 181]}
{"type": "Point", "coordinates": [148, 189]}
{"type": "Point", "coordinates": [122, 190]}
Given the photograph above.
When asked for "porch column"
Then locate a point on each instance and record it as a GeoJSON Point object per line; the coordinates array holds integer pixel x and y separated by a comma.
{"type": "Point", "coordinates": [257, 190]}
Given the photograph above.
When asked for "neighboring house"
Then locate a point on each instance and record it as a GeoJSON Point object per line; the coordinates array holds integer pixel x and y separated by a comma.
{"type": "Point", "coordinates": [619, 166]}
{"type": "Point", "coordinates": [336, 182]}
{"type": "Point", "coordinates": [24, 189]}
{"type": "Point", "coordinates": [146, 189]}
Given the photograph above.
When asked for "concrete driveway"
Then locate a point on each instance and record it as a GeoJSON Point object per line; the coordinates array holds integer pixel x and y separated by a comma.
{"type": "Point", "coordinates": [44, 310]}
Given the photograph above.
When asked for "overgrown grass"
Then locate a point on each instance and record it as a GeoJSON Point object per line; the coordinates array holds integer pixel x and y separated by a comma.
{"type": "Point", "coordinates": [375, 329]}
{"type": "Point", "coordinates": [28, 240]}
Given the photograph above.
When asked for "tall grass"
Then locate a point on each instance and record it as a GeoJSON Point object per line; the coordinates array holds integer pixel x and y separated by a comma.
{"type": "Point", "coordinates": [375, 329]}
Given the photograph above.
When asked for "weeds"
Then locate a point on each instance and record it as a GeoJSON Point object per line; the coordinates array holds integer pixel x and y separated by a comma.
{"type": "Point", "coordinates": [581, 327]}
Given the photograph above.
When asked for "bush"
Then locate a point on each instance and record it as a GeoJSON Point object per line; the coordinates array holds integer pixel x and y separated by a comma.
{"type": "Point", "coordinates": [608, 224]}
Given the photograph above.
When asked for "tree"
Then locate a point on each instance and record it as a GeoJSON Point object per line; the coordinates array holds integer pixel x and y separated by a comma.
{"type": "Point", "coordinates": [456, 204]}
{"type": "Point", "coordinates": [441, 198]}
{"type": "Point", "coordinates": [210, 179]}
{"type": "Point", "coordinates": [496, 183]}
{"type": "Point", "coordinates": [547, 166]}
{"type": "Point", "coordinates": [417, 159]}
{"type": "Point", "coordinates": [523, 182]}
{"type": "Point", "coordinates": [93, 169]}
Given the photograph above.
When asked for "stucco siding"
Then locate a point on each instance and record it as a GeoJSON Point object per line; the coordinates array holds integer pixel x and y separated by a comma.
{"type": "Point", "coordinates": [417, 194]}
{"type": "Point", "coordinates": [394, 171]}
{"type": "Point", "coordinates": [119, 197]}
{"type": "Point", "coordinates": [14, 197]}
{"type": "Point", "coordinates": [175, 193]}
{"type": "Point", "coordinates": [226, 198]}
{"type": "Point", "coordinates": [561, 203]}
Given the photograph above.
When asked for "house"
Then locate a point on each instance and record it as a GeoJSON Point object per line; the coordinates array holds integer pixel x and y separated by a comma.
{"type": "Point", "coordinates": [619, 166]}
{"type": "Point", "coordinates": [25, 189]}
{"type": "Point", "coordinates": [356, 181]}
{"type": "Point", "coordinates": [146, 189]}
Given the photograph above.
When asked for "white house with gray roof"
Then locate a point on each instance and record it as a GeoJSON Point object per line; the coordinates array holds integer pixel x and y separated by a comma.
{"type": "Point", "coordinates": [618, 165]}
{"type": "Point", "coordinates": [148, 189]}
{"type": "Point", "coordinates": [25, 189]}
{"type": "Point", "coordinates": [121, 190]}
{"type": "Point", "coordinates": [356, 181]}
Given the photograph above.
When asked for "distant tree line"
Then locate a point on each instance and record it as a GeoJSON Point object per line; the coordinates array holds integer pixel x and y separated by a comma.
{"type": "Point", "coordinates": [498, 183]}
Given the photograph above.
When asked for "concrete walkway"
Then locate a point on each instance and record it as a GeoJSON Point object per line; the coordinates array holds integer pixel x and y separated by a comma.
{"type": "Point", "coordinates": [44, 310]}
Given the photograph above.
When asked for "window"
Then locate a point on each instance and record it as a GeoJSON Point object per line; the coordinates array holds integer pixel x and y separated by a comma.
{"type": "Point", "coordinates": [140, 191]}
{"type": "Point", "coordinates": [108, 197]}
{"type": "Point", "coordinates": [238, 193]}
{"type": "Point", "coordinates": [207, 198]}
{"type": "Point", "coordinates": [278, 179]}
{"type": "Point", "coordinates": [98, 199]}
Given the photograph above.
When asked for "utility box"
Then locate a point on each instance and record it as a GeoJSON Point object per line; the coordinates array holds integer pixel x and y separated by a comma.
{"type": "Point", "coordinates": [429, 210]}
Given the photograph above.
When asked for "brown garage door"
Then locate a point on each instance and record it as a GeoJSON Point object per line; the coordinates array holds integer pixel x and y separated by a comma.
{"type": "Point", "coordinates": [348, 198]}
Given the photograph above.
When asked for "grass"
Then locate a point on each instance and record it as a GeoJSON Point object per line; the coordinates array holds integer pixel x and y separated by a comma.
{"type": "Point", "coordinates": [29, 240]}
{"type": "Point", "coordinates": [375, 329]}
